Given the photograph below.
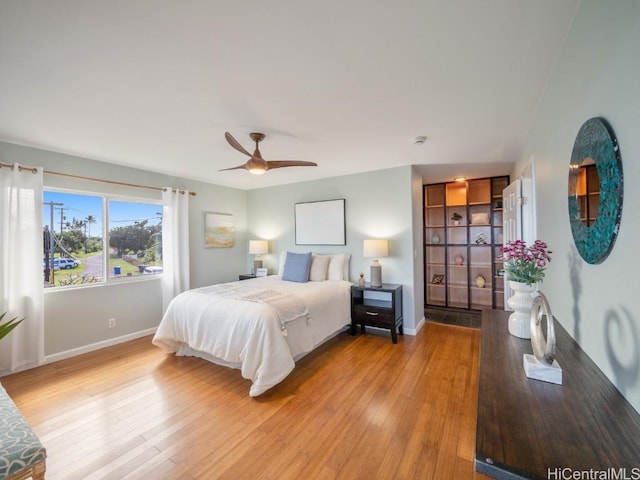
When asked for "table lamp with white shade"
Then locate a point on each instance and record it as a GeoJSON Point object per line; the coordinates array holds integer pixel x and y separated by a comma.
{"type": "Point", "coordinates": [376, 249]}
{"type": "Point", "coordinates": [257, 248]}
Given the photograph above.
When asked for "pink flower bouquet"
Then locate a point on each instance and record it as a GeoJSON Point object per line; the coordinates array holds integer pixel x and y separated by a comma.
{"type": "Point", "coordinates": [525, 264]}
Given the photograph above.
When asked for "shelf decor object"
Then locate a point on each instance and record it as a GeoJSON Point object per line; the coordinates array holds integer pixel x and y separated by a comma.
{"type": "Point", "coordinates": [481, 239]}
{"type": "Point", "coordinates": [257, 248]}
{"type": "Point", "coordinates": [542, 365]}
{"type": "Point", "coordinates": [596, 144]}
{"type": "Point", "coordinates": [376, 249]}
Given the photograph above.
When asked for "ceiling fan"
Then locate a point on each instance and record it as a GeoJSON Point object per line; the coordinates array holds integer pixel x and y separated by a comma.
{"type": "Point", "coordinates": [256, 164]}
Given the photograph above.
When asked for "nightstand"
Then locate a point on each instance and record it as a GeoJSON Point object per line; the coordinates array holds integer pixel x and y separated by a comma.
{"type": "Point", "coordinates": [246, 276]}
{"type": "Point", "coordinates": [377, 307]}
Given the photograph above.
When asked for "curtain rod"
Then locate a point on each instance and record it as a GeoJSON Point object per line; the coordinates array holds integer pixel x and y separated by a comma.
{"type": "Point", "coordinates": [113, 182]}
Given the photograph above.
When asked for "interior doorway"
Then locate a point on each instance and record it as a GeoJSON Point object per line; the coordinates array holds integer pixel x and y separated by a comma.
{"type": "Point", "coordinates": [520, 212]}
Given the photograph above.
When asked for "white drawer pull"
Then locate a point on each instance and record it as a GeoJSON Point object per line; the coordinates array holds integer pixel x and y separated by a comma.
{"type": "Point", "coordinates": [373, 314]}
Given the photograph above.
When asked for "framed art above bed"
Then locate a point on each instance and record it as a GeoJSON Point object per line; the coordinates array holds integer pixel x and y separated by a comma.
{"type": "Point", "coordinates": [320, 223]}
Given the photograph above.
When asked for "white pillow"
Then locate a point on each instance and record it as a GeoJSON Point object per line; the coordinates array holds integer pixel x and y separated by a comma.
{"type": "Point", "coordinates": [345, 270]}
{"type": "Point", "coordinates": [283, 259]}
{"type": "Point", "coordinates": [319, 267]}
{"type": "Point", "coordinates": [339, 267]}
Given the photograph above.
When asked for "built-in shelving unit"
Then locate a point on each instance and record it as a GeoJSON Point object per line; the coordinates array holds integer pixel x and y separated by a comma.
{"type": "Point", "coordinates": [462, 239]}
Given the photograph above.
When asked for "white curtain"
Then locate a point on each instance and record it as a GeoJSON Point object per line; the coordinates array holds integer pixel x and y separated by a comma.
{"type": "Point", "coordinates": [175, 244]}
{"type": "Point", "coordinates": [21, 276]}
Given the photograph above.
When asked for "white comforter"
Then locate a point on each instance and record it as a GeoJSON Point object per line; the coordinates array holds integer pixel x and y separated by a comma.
{"type": "Point", "coordinates": [252, 335]}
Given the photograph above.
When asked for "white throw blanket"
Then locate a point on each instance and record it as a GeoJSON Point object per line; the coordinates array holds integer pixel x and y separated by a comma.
{"type": "Point", "coordinates": [287, 307]}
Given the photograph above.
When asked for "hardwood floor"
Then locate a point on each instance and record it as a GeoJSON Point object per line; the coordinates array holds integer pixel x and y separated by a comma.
{"type": "Point", "coordinates": [358, 407]}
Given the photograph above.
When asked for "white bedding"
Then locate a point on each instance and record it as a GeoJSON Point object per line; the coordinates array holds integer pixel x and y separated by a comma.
{"type": "Point", "coordinates": [251, 335]}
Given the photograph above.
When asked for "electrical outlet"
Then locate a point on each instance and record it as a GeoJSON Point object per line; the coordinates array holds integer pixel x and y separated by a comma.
{"type": "Point", "coordinates": [111, 322]}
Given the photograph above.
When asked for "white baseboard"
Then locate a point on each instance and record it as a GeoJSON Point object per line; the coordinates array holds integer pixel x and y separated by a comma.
{"type": "Point", "coordinates": [97, 346]}
{"type": "Point", "coordinates": [414, 331]}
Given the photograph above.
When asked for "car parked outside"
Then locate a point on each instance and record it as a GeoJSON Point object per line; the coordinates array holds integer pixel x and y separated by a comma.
{"type": "Point", "coordinates": [152, 270]}
{"type": "Point", "coordinates": [65, 263]}
{"type": "Point", "coordinates": [51, 264]}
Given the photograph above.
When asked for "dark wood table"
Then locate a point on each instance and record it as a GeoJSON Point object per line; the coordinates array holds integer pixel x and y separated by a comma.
{"type": "Point", "coordinates": [533, 429]}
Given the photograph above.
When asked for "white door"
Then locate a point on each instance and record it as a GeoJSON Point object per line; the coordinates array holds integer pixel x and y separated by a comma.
{"type": "Point", "coordinates": [528, 204]}
{"type": "Point", "coordinates": [511, 222]}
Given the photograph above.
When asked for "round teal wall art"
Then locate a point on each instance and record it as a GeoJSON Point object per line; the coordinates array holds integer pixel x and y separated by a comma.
{"type": "Point", "coordinates": [596, 144]}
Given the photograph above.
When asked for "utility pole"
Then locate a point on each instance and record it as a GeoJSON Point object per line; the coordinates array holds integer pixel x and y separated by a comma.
{"type": "Point", "coordinates": [48, 254]}
{"type": "Point", "coordinates": [85, 236]}
{"type": "Point", "coordinates": [62, 209]}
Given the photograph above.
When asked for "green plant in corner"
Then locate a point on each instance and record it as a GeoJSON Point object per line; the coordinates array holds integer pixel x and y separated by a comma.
{"type": "Point", "coordinates": [6, 327]}
{"type": "Point", "coordinates": [456, 216]}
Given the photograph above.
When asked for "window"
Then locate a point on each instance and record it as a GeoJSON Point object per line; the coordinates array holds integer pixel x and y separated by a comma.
{"type": "Point", "coordinates": [135, 239]}
{"type": "Point", "coordinates": [91, 239]}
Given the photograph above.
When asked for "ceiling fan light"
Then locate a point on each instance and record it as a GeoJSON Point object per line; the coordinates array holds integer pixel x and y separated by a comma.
{"type": "Point", "coordinates": [257, 170]}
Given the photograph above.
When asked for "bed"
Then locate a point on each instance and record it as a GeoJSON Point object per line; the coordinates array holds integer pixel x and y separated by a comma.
{"type": "Point", "coordinates": [261, 326]}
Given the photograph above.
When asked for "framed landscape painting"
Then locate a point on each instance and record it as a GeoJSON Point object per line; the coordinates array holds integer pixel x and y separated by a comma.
{"type": "Point", "coordinates": [219, 230]}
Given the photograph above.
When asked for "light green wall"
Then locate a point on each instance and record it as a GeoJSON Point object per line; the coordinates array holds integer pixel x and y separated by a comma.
{"type": "Point", "coordinates": [597, 74]}
{"type": "Point", "coordinates": [378, 204]}
{"type": "Point", "coordinates": [76, 319]}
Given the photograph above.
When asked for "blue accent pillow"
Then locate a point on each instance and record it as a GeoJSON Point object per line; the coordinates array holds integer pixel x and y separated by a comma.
{"type": "Point", "coordinates": [296, 267]}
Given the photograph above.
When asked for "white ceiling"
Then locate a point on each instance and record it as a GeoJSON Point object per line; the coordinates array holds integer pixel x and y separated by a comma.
{"type": "Point", "coordinates": [155, 84]}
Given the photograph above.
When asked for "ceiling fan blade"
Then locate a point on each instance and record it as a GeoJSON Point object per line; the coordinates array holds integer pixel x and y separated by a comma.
{"type": "Point", "coordinates": [290, 163]}
{"type": "Point", "coordinates": [234, 143]}
{"type": "Point", "coordinates": [256, 164]}
{"type": "Point", "coordinates": [243, 166]}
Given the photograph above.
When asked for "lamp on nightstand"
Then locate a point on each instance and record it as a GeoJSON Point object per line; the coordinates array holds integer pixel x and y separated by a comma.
{"type": "Point", "coordinates": [376, 249]}
{"type": "Point", "coordinates": [257, 248]}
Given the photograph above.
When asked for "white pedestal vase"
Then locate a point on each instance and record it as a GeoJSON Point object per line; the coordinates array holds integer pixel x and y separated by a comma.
{"type": "Point", "coordinates": [520, 319]}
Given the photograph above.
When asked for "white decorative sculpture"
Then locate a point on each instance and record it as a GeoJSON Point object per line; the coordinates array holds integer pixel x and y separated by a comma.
{"type": "Point", "coordinates": [542, 365]}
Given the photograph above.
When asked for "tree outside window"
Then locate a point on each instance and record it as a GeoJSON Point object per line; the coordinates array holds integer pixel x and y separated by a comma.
{"type": "Point", "coordinates": [77, 252]}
